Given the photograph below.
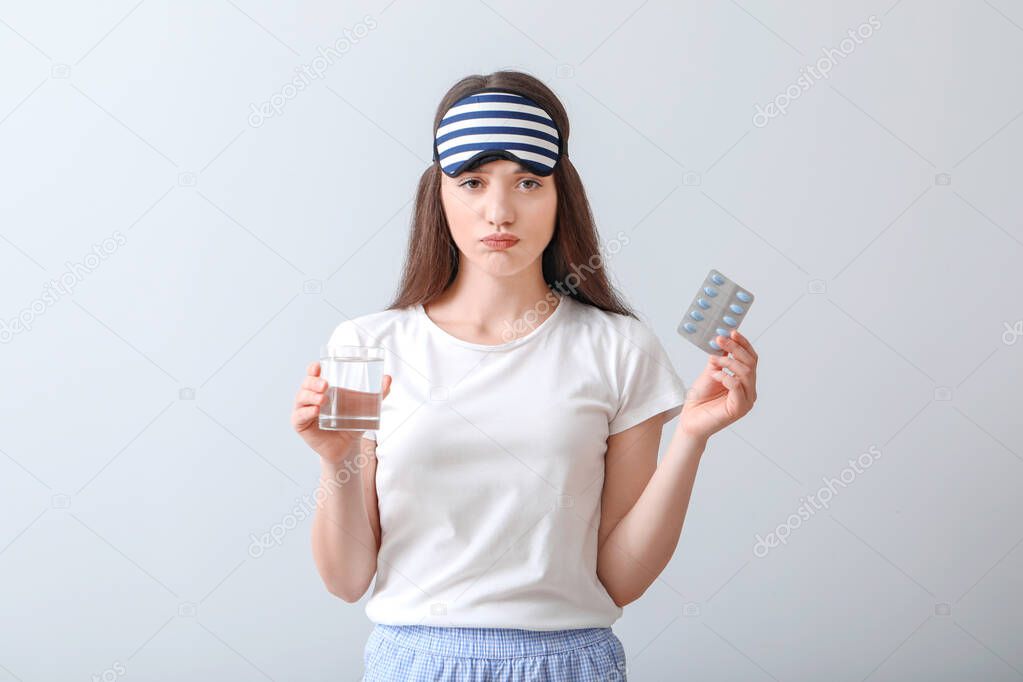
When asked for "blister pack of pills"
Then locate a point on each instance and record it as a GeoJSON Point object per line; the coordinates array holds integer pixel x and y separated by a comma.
{"type": "Point", "coordinates": [719, 306]}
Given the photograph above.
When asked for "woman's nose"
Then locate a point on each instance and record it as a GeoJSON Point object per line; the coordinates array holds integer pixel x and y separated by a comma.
{"type": "Point", "coordinates": [499, 209]}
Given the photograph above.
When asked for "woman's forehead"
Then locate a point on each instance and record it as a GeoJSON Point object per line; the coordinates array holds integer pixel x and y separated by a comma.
{"type": "Point", "coordinates": [504, 166]}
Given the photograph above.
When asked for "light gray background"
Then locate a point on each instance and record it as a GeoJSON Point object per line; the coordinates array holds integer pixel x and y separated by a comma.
{"type": "Point", "coordinates": [888, 299]}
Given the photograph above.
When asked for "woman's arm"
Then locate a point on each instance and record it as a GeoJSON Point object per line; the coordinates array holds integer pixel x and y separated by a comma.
{"type": "Point", "coordinates": [643, 506]}
{"type": "Point", "coordinates": [346, 524]}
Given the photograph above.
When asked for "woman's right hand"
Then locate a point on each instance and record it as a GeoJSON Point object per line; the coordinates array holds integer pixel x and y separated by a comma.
{"type": "Point", "coordinates": [305, 418]}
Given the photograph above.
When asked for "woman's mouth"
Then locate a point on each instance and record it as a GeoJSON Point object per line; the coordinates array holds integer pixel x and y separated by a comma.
{"type": "Point", "coordinates": [500, 242]}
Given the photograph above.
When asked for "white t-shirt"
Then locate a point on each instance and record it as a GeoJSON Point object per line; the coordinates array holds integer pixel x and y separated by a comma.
{"type": "Point", "coordinates": [490, 463]}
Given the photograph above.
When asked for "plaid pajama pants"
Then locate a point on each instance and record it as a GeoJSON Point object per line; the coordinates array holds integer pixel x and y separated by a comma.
{"type": "Point", "coordinates": [413, 653]}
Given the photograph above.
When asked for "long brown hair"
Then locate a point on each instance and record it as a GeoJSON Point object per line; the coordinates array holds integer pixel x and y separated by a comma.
{"type": "Point", "coordinates": [568, 261]}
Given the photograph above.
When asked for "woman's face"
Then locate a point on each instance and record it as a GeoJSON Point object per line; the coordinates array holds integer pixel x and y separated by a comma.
{"type": "Point", "coordinates": [500, 197]}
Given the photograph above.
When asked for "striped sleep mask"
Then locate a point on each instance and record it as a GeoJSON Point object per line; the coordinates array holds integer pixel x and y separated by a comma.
{"type": "Point", "coordinates": [495, 122]}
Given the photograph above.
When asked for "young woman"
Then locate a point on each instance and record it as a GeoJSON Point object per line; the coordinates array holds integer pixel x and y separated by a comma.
{"type": "Point", "coordinates": [511, 502]}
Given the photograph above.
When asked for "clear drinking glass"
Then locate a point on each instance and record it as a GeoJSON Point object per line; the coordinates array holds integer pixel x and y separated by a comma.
{"type": "Point", "coordinates": [354, 376]}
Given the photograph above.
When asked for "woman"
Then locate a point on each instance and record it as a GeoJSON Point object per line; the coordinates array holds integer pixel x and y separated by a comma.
{"type": "Point", "coordinates": [511, 503]}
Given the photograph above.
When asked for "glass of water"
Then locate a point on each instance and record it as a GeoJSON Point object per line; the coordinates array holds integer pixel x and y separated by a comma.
{"type": "Point", "coordinates": [354, 376]}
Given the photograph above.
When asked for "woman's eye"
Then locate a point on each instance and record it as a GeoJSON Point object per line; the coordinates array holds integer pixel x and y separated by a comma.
{"type": "Point", "coordinates": [473, 183]}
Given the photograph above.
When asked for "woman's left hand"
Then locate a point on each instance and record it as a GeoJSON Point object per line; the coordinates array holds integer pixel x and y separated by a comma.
{"type": "Point", "coordinates": [717, 399]}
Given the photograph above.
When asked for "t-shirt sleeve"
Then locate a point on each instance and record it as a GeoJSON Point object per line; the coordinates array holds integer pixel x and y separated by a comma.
{"type": "Point", "coordinates": [348, 333]}
{"type": "Point", "coordinates": [646, 380]}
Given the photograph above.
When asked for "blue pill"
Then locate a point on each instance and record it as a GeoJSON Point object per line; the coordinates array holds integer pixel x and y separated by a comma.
{"type": "Point", "coordinates": [730, 321]}
{"type": "Point", "coordinates": [689, 327]}
{"type": "Point", "coordinates": [710, 291]}
{"type": "Point", "coordinates": [743, 296]}
{"type": "Point", "coordinates": [713, 344]}
{"type": "Point", "coordinates": [721, 331]}
{"type": "Point", "coordinates": [703, 304]}
{"type": "Point", "coordinates": [737, 309]}
{"type": "Point", "coordinates": [696, 315]}
{"type": "Point", "coordinates": [717, 279]}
